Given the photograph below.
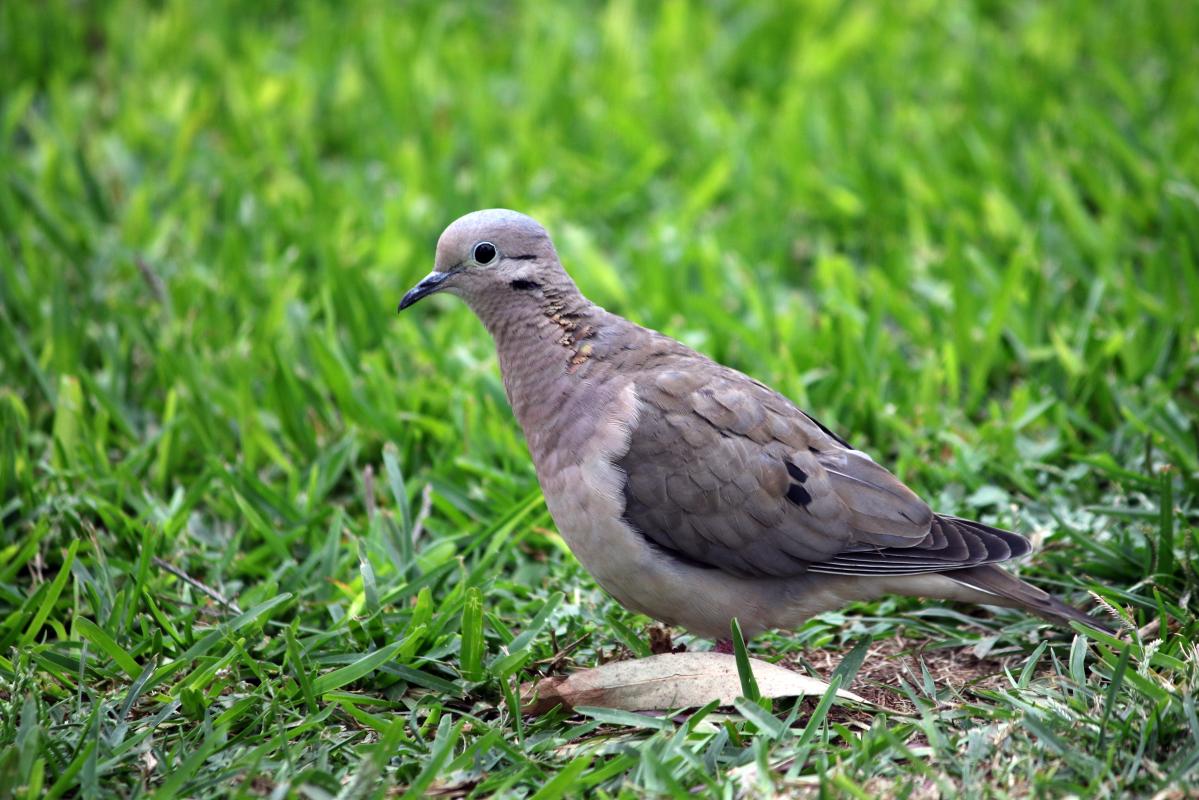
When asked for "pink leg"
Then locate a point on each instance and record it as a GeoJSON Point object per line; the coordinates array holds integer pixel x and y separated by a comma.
{"type": "Point", "coordinates": [724, 646]}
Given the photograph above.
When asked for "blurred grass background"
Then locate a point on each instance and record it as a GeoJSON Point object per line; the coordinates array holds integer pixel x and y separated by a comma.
{"type": "Point", "coordinates": [964, 234]}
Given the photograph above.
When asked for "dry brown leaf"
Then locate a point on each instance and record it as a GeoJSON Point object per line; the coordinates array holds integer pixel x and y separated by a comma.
{"type": "Point", "coordinates": [671, 680]}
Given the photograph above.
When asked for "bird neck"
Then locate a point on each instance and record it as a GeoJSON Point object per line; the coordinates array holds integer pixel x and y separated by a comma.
{"type": "Point", "coordinates": [546, 339]}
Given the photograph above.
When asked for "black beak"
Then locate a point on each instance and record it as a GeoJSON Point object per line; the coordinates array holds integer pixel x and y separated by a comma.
{"type": "Point", "coordinates": [427, 286]}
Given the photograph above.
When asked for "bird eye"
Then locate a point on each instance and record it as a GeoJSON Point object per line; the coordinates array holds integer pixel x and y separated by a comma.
{"type": "Point", "coordinates": [484, 253]}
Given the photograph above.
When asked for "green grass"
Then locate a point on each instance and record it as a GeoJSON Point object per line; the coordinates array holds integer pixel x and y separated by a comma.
{"type": "Point", "coordinates": [964, 234]}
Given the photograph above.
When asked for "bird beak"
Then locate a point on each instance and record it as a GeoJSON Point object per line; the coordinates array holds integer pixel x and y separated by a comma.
{"type": "Point", "coordinates": [427, 286]}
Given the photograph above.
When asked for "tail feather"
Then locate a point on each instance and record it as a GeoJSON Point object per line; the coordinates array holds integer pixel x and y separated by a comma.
{"type": "Point", "coordinates": [993, 580]}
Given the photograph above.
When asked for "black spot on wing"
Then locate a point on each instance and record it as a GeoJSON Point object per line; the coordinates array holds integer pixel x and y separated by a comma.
{"type": "Point", "coordinates": [798, 495]}
{"type": "Point", "coordinates": [796, 473]}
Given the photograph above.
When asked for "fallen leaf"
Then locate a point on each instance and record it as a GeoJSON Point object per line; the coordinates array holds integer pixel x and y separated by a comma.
{"type": "Point", "coordinates": [668, 681]}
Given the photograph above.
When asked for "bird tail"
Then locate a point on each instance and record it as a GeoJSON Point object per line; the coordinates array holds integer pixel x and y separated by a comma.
{"type": "Point", "coordinates": [992, 580]}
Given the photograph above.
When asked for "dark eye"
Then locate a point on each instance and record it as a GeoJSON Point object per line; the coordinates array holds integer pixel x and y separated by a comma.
{"type": "Point", "coordinates": [484, 253]}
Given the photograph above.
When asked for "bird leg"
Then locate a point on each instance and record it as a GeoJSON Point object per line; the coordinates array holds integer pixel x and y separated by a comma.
{"type": "Point", "coordinates": [724, 646]}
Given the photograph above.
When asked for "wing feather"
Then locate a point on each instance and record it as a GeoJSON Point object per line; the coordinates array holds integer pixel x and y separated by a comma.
{"type": "Point", "coordinates": [723, 472]}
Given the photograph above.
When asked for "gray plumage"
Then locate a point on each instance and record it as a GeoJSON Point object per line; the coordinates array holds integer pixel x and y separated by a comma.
{"type": "Point", "coordinates": [692, 492]}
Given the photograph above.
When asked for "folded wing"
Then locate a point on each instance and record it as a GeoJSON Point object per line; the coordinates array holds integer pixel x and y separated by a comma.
{"type": "Point", "coordinates": [723, 472]}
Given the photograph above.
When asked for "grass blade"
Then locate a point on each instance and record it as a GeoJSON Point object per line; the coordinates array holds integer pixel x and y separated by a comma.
{"type": "Point", "coordinates": [352, 672]}
{"type": "Point", "coordinates": [472, 636]}
{"type": "Point", "coordinates": [50, 597]}
{"type": "Point", "coordinates": [749, 684]}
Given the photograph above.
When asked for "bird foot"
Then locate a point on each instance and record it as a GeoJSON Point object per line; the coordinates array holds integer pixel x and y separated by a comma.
{"type": "Point", "coordinates": [724, 646]}
{"type": "Point", "coordinates": [660, 640]}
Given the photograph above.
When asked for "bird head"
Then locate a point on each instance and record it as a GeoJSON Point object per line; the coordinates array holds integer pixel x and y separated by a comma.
{"type": "Point", "coordinates": [489, 252]}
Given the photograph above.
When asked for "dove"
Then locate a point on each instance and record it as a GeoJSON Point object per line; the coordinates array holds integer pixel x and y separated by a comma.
{"type": "Point", "coordinates": [691, 492]}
